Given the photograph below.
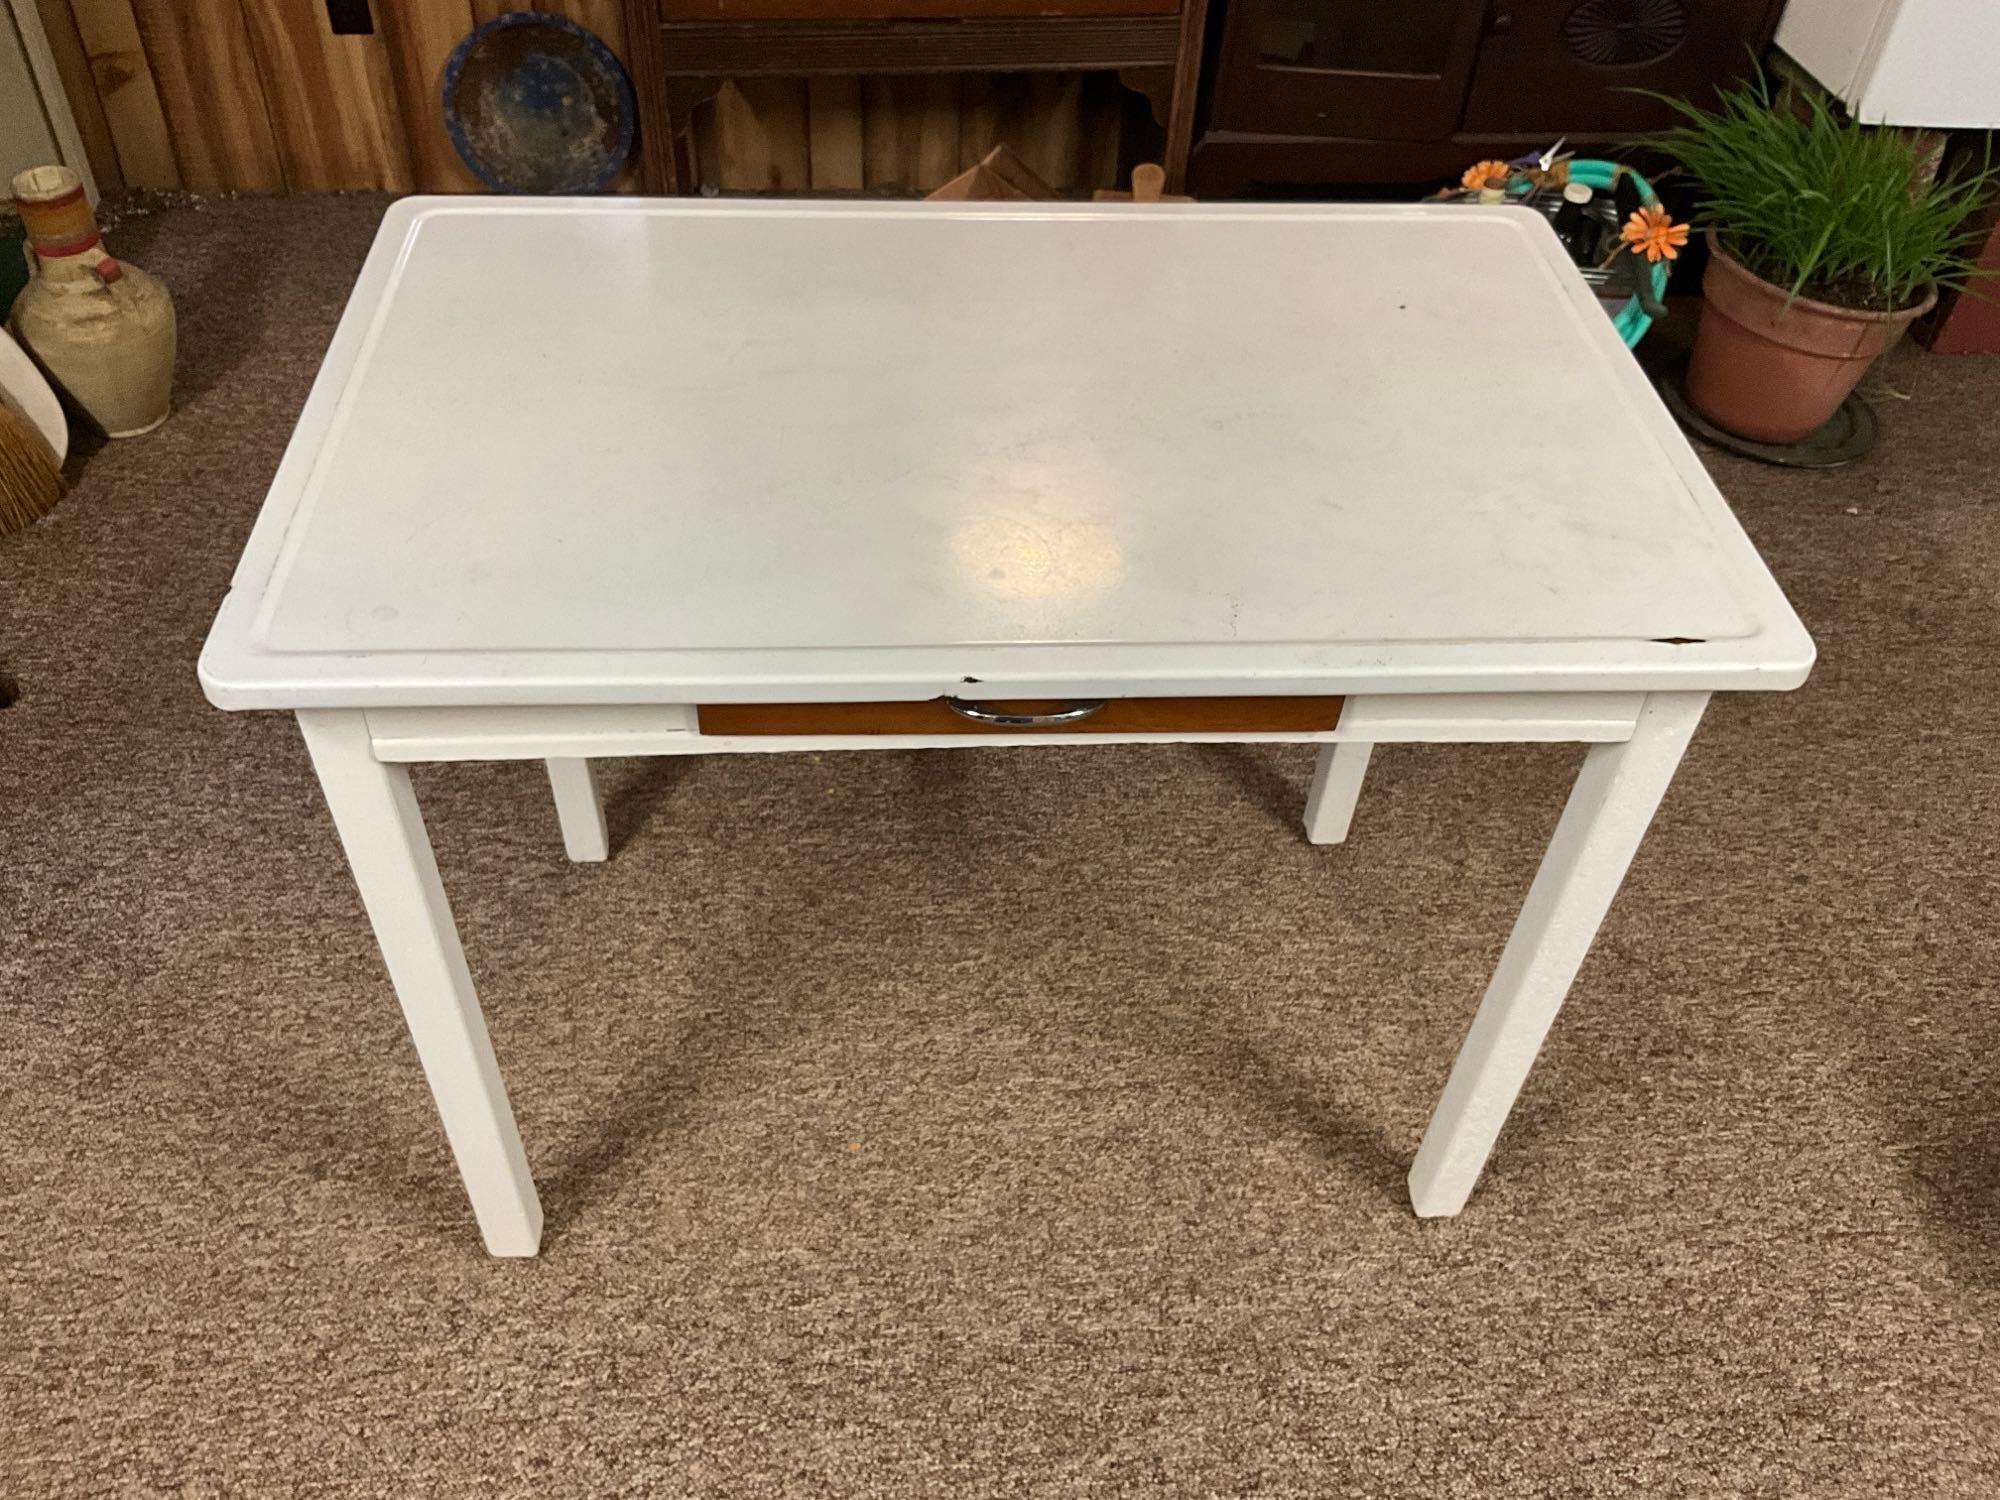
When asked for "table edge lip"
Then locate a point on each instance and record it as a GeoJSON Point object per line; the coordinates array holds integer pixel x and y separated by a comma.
{"type": "Point", "coordinates": [251, 681]}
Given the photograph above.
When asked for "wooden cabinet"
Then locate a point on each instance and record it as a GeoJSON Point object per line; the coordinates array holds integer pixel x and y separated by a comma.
{"type": "Point", "coordinates": [1561, 65]}
{"type": "Point", "coordinates": [1347, 68]}
{"type": "Point", "coordinates": [1360, 91]}
{"type": "Point", "coordinates": [683, 50]}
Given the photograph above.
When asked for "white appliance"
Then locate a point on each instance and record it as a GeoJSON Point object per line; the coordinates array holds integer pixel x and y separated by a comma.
{"type": "Point", "coordinates": [1902, 62]}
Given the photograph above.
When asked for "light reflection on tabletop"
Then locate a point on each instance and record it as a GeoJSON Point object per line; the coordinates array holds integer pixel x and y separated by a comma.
{"type": "Point", "coordinates": [1035, 557]}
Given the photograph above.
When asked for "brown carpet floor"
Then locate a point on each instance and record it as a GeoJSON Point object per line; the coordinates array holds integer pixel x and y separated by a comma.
{"type": "Point", "coordinates": [991, 1123]}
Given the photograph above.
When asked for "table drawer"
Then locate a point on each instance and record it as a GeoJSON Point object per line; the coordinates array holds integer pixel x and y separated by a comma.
{"type": "Point", "coordinates": [1048, 716]}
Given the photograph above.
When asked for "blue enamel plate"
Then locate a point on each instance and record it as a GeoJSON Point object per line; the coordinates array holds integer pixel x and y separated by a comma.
{"type": "Point", "coordinates": [538, 104]}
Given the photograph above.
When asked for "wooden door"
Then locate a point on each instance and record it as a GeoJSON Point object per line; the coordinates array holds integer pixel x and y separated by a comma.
{"type": "Point", "coordinates": [1570, 65]}
{"type": "Point", "coordinates": [1363, 68]}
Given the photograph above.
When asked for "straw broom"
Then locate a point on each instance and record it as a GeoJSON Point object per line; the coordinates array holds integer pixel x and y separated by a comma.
{"type": "Point", "coordinates": [30, 480]}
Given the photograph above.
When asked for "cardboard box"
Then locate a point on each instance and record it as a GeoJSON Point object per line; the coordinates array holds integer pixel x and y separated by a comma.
{"type": "Point", "coordinates": [999, 174]}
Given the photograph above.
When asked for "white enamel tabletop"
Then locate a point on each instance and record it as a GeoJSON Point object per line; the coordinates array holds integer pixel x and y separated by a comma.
{"type": "Point", "coordinates": [653, 450]}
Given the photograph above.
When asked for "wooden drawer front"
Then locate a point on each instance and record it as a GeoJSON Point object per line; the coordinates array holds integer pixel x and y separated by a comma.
{"type": "Point", "coordinates": [896, 10]}
{"type": "Point", "coordinates": [936, 716]}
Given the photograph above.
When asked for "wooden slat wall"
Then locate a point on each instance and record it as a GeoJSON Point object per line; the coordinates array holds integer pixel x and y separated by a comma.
{"type": "Point", "coordinates": [908, 134]}
{"type": "Point", "coordinates": [73, 66]}
{"type": "Point", "coordinates": [836, 135]}
{"type": "Point", "coordinates": [332, 100]}
{"type": "Point", "coordinates": [202, 65]}
{"type": "Point", "coordinates": [419, 39]}
{"type": "Point", "coordinates": [126, 93]}
{"type": "Point", "coordinates": [261, 96]}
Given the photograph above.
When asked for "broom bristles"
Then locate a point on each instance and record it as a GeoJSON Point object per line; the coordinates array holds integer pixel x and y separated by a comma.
{"type": "Point", "coordinates": [30, 480]}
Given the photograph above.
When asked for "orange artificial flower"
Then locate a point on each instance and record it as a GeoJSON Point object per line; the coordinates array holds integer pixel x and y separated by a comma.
{"type": "Point", "coordinates": [1651, 233]}
{"type": "Point", "coordinates": [1477, 174]}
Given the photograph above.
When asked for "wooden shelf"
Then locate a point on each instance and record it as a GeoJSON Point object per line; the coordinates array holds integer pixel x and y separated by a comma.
{"type": "Point", "coordinates": [789, 49]}
{"type": "Point", "coordinates": [676, 11]}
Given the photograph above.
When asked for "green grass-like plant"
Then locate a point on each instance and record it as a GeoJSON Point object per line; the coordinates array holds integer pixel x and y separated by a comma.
{"type": "Point", "coordinates": [1821, 205]}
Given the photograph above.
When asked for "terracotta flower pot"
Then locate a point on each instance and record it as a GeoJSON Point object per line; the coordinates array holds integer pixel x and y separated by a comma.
{"type": "Point", "coordinates": [1775, 373]}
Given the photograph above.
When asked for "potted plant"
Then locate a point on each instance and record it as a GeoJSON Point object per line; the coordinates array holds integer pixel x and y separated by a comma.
{"type": "Point", "coordinates": [1827, 240]}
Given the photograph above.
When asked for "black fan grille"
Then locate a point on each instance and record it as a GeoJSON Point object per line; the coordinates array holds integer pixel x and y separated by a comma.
{"type": "Point", "coordinates": [1625, 33]}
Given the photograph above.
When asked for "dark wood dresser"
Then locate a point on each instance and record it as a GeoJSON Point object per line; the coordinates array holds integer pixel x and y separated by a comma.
{"type": "Point", "coordinates": [1364, 91]}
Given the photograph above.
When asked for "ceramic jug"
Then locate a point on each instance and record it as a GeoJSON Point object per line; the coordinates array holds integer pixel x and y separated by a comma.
{"type": "Point", "coordinates": [102, 329]}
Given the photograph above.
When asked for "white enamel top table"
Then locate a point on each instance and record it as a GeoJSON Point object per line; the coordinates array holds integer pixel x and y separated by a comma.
{"type": "Point", "coordinates": [574, 467]}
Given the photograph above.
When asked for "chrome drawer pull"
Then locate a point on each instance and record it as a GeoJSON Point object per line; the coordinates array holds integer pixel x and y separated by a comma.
{"type": "Point", "coordinates": [1082, 709]}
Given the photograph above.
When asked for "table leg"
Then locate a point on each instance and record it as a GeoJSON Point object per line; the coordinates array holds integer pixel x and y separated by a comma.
{"type": "Point", "coordinates": [382, 830]}
{"type": "Point", "coordinates": [1336, 787]}
{"type": "Point", "coordinates": [1607, 815]}
{"type": "Point", "coordinates": [578, 810]}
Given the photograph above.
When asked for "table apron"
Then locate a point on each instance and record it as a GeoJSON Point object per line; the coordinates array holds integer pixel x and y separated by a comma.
{"type": "Point", "coordinates": [583, 731]}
